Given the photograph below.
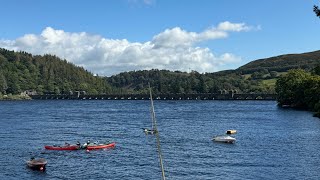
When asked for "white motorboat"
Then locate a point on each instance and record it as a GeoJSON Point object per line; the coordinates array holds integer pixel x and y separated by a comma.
{"type": "Point", "coordinates": [225, 139]}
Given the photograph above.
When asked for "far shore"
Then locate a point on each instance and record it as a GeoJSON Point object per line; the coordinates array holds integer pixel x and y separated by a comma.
{"type": "Point", "coordinates": [10, 97]}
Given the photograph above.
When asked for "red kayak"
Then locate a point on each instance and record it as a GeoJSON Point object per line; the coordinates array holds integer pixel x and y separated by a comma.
{"type": "Point", "coordinates": [69, 147]}
{"type": "Point", "coordinates": [100, 146]}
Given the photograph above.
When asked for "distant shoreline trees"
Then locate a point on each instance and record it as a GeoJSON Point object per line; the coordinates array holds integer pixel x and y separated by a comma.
{"type": "Point", "coordinates": [21, 72]}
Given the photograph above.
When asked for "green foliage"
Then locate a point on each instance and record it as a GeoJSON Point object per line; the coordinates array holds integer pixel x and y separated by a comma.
{"type": "Point", "coordinates": [316, 70]}
{"type": "Point", "coordinates": [164, 81]}
{"type": "Point", "coordinates": [299, 89]}
{"type": "Point", "coordinates": [257, 75]}
{"type": "Point", "coordinates": [3, 83]}
{"type": "Point", "coordinates": [273, 74]}
{"type": "Point", "coordinates": [20, 71]}
{"type": "Point", "coordinates": [288, 87]}
{"type": "Point", "coordinates": [48, 74]}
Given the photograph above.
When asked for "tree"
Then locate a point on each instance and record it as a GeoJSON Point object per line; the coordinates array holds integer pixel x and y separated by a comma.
{"type": "Point", "coordinates": [299, 89]}
{"type": "Point", "coordinates": [3, 83]}
{"type": "Point", "coordinates": [273, 74]}
{"type": "Point", "coordinates": [316, 70]}
{"type": "Point", "coordinates": [257, 75]}
{"type": "Point", "coordinates": [316, 10]}
{"type": "Point", "coordinates": [290, 88]}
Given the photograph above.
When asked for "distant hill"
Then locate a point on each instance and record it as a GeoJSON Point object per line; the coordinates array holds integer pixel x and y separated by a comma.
{"type": "Point", "coordinates": [283, 63]}
{"type": "Point", "coordinates": [256, 76]}
{"type": "Point", "coordinates": [21, 71]}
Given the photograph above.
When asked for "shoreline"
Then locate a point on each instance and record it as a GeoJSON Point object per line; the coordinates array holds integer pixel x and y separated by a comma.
{"type": "Point", "coordinates": [11, 97]}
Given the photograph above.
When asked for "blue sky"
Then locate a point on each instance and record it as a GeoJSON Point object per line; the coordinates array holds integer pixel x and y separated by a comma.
{"type": "Point", "coordinates": [108, 37]}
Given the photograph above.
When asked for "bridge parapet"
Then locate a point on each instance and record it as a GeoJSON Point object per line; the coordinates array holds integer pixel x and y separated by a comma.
{"type": "Point", "coordinates": [200, 96]}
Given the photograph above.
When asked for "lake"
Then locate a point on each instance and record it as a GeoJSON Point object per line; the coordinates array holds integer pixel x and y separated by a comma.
{"type": "Point", "coordinates": [272, 143]}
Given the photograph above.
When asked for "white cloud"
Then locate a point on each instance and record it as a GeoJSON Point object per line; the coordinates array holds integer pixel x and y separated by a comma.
{"type": "Point", "coordinates": [228, 26]}
{"type": "Point", "coordinates": [172, 49]}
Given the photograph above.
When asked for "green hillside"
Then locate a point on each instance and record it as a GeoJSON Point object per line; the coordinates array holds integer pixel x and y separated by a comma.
{"type": "Point", "coordinates": [283, 63]}
{"type": "Point", "coordinates": [21, 71]}
{"type": "Point", "coordinates": [256, 76]}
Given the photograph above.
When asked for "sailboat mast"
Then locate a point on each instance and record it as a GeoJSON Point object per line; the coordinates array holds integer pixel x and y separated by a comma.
{"type": "Point", "coordinates": [157, 136]}
{"type": "Point", "coordinates": [153, 116]}
{"type": "Point", "coordinates": [160, 154]}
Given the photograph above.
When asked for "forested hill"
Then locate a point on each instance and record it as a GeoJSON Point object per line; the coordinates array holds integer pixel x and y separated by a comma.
{"type": "Point", "coordinates": [256, 76]}
{"type": "Point", "coordinates": [164, 81]}
{"type": "Point", "coordinates": [21, 71]}
{"type": "Point", "coordinates": [283, 63]}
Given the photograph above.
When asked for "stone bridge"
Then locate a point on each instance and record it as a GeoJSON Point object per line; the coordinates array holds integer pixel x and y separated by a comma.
{"type": "Point", "coordinates": [202, 96]}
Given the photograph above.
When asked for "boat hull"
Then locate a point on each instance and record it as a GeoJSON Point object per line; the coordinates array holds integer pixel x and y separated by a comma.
{"type": "Point", "coordinates": [37, 164]}
{"type": "Point", "coordinates": [101, 146]}
{"type": "Point", "coordinates": [63, 148]}
{"type": "Point", "coordinates": [224, 139]}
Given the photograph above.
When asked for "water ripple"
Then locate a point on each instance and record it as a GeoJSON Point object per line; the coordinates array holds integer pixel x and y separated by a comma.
{"type": "Point", "coordinates": [272, 143]}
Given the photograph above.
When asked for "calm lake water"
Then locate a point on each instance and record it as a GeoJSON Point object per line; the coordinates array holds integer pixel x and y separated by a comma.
{"type": "Point", "coordinates": [272, 143]}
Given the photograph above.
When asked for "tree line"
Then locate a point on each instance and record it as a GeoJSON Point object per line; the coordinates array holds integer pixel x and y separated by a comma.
{"type": "Point", "coordinates": [164, 81]}
{"type": "Point", "coordinates": [300, 89]}
{"type": "Point", "coordinates": [21, 71]}
{"type": "Point", "coordinates": [48, 74]}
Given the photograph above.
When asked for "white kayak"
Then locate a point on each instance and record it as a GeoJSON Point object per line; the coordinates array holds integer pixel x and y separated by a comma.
{"type": "Point", "coordinates": [225, 139]}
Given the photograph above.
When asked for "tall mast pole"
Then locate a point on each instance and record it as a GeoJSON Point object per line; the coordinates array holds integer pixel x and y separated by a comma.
{"type": "Point", "coordinates": [153, 116]}
{"type": "Point", "coordinates": [157, 136]}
